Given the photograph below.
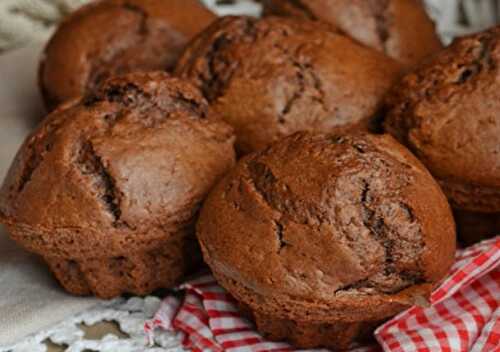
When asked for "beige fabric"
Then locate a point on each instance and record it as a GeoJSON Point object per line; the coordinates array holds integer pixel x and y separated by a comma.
{"type": "Point", "coordinates": [29, 297]}
{"type": "Point", "coordinates": [22, 21]}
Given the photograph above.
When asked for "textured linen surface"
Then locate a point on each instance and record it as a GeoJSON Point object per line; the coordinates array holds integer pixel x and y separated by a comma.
{"type": "Point", "coordinates": [22, 21]}
{"type": "Point", "coordinates": [464, 315]}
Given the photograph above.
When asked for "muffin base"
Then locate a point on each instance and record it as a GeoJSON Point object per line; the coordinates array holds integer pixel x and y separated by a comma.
{"type": "Point", "coordinates": [109, 272]}
{"type": "Point", "coordinates": [336, 328]}
{"type": "Point", "coordinates": [138, 273]}
{"type": "Point", "coordinates": [336, 336]}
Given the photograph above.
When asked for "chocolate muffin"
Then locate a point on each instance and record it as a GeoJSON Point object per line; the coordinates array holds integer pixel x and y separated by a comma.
{"type": "Point", "coordinates": [447, 113]}
{"type": "Point", "coordinates": [110, 37]}
{"type": "Point", "coordinates": [272, 77]}
{"type": "Point", "coordinates": [324, 236]}
{"type": "Point", "coordinates": [106, 190]}
{"type": "Point", "coordinates": [399, 28]}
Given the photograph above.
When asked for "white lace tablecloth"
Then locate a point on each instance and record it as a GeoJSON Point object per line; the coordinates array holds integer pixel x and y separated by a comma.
{"type": "Point", "coordinates": [33, 309]}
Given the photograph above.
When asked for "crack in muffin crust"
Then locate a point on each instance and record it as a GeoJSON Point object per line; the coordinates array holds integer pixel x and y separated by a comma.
{"type": "Point", "coordinates": [372, 216]}
{"type": "Point", "coordinates": [218, 70]}
{"type": "Point", "coordinates": [307, 80]}
{"type": "Point", "coordinates": [292, 75]}
{"type": "Point", "coordinates": [91, 165]}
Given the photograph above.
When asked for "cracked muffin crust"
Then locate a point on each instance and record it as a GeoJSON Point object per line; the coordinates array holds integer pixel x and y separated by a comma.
{"type": "Point", "coordinates": [272, 77]}
{"type": "Point", "coordinates": [399, 28]}
{"type": "Point", "coordinates": [111, 37]}
{"type": "Point", "coordinates": [106, 190]}
{"type": "Point", "coordinates": [322, 236]}
{"type": "Point", "coordinates": [446, 112]}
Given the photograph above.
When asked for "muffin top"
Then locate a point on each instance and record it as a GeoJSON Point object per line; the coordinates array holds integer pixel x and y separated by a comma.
{"type": "Point", "coordinates": [271, 77]}
{"type": "Point", "coordinates": [136, 157]}
{"type": "Point", "coordinates": [399, 28]}
{"type": "Point", "coordinates": [112, 37]}
{"type": "Point", "coordinates": [447, 114]}
{"type": "Point", "coordinates": [328, 227]}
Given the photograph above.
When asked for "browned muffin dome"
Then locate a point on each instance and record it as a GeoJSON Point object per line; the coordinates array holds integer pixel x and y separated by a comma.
{"type": "Point", "coordinates": [447, 113]}
{"type": "Point", "coordinates": [399, 28]}
{"type": "Point", "coordinates": [110, 37]}
{"type": "Point", "coordinates": [106, 190]}
{"type": "Point", "coordinates": [269, 78]}
{"type": "Point", "coordinates": [323, 236]}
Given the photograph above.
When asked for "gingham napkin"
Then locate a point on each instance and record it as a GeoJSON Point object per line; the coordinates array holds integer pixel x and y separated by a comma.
{"type": "Point", "coordinates": [464, 315]}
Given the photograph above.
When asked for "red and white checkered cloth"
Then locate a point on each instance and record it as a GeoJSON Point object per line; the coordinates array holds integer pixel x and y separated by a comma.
{"type": "Point", "coordinates": [464, 315]}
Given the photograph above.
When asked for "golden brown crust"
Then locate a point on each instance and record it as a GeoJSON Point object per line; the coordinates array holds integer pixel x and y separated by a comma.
{"type": "Point", "coordinates": [272, 77]}
{"type": "Point", "coordinates": [328, 228]}
{"type": "Point", "coordinates": [399, 28]}
{"type": "Point", "coordinates": [110, 37]}
{"type": "Point", "coordinates": [119, 174]}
